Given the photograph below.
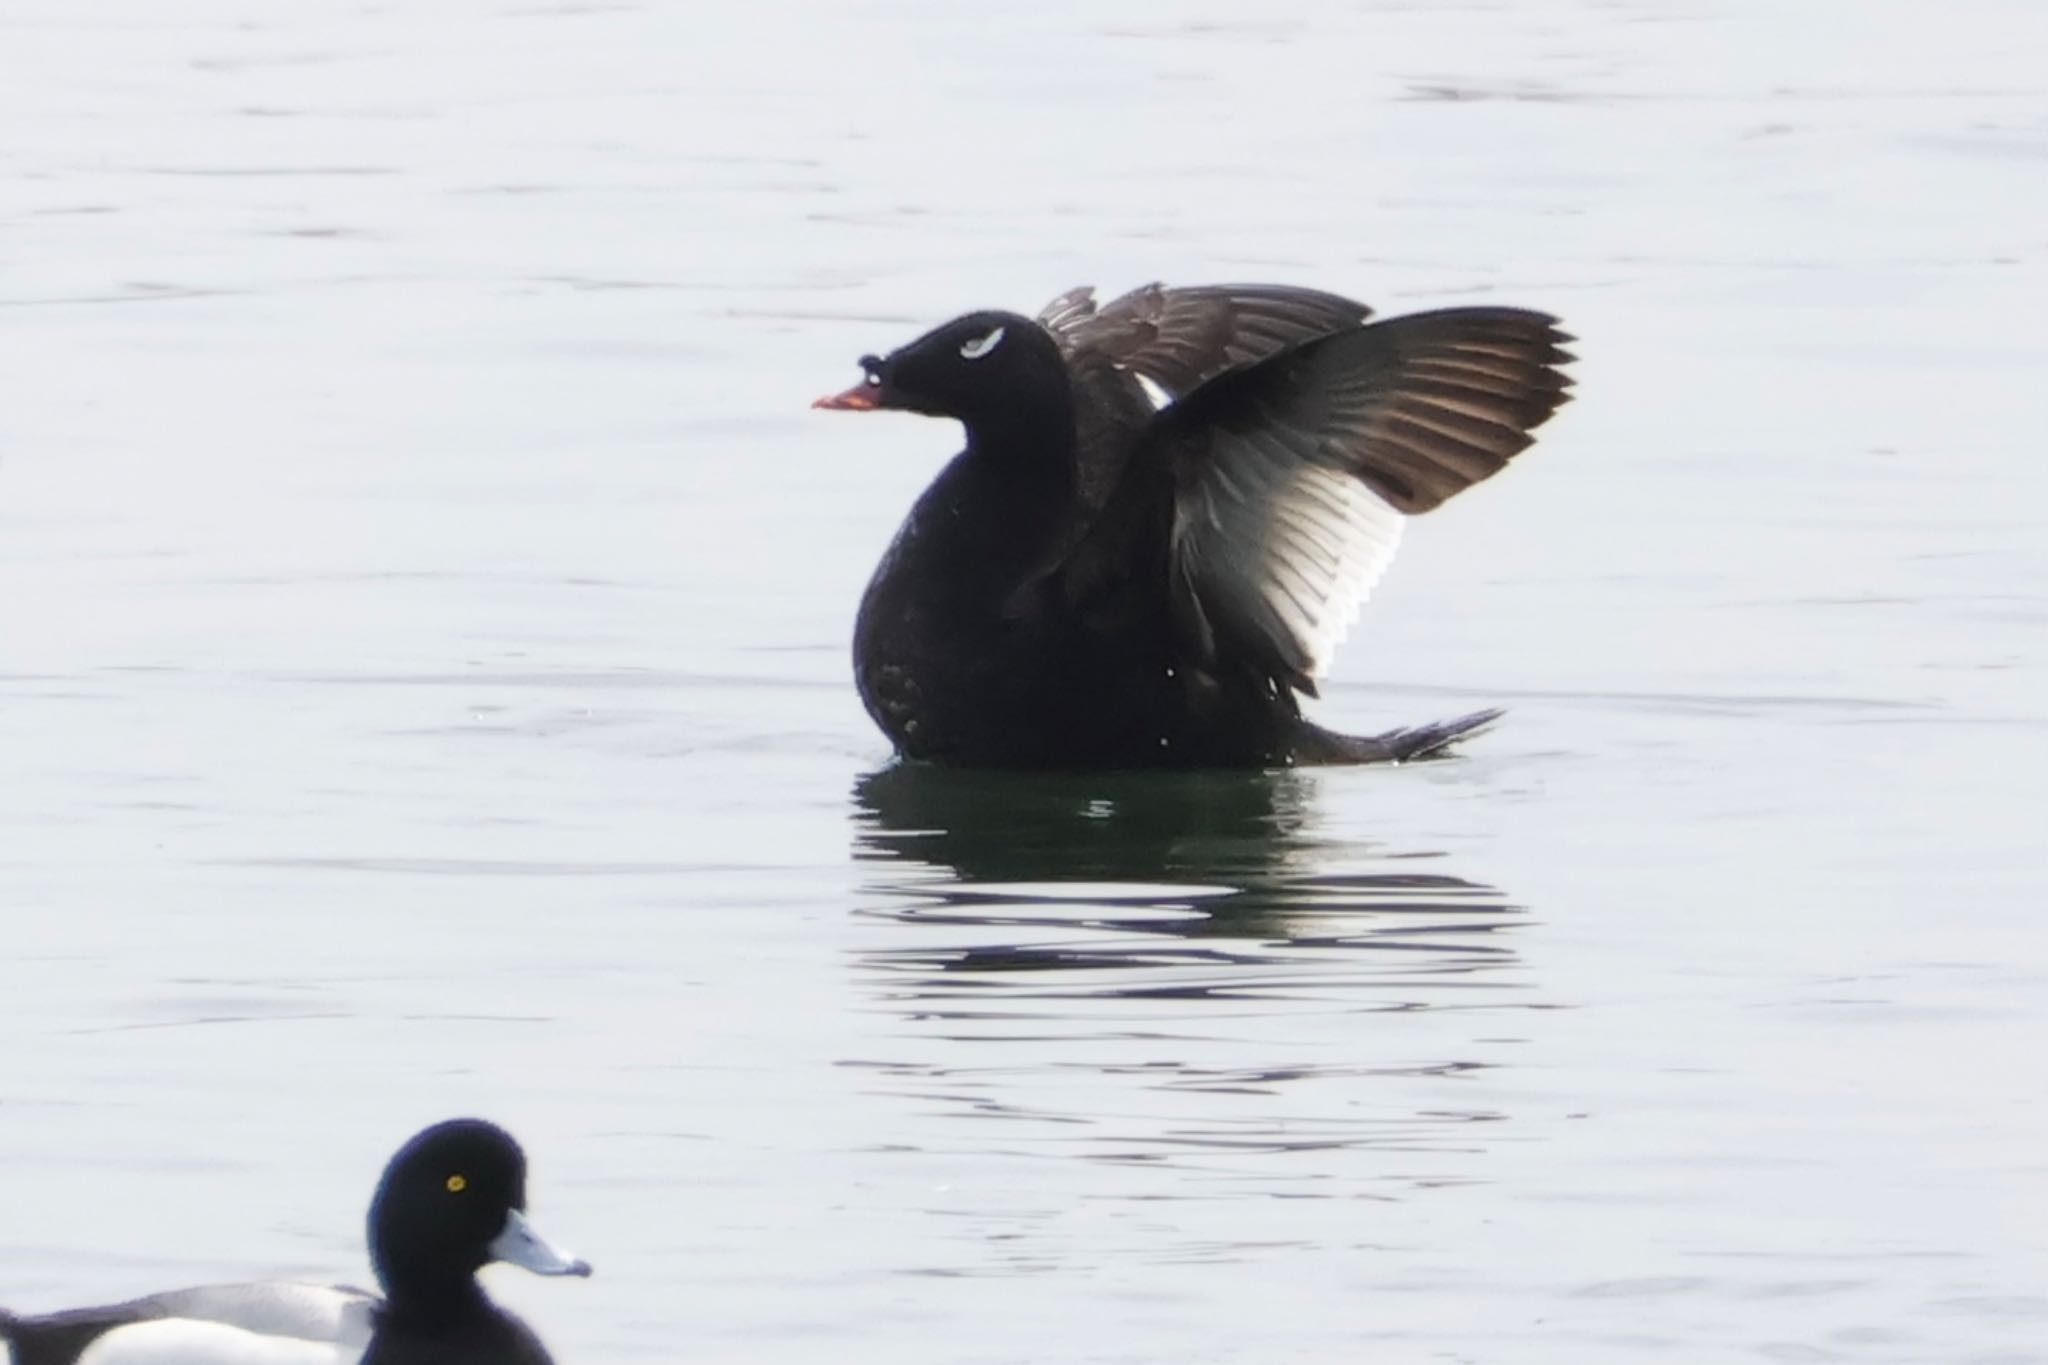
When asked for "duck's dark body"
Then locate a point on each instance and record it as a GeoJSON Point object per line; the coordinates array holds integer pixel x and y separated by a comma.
{"type": "Point", "coordinates": [961, 657]}
{"type": "Point", "coordinates": [1098, 583]}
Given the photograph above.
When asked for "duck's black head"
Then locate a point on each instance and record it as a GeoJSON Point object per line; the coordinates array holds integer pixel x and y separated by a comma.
{"type": "Point", "coordinates": [984, 369]}
{"type": "Point", "coordinates": [452, 1201]}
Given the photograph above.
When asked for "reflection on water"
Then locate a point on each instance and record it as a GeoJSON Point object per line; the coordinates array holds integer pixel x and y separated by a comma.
{"type": "Point", "coordinates": [1220, 827]}
{"type": "Point", "coordinates": [1175, 935]}
{"type": "Point", "coordinates": [1161, 871]}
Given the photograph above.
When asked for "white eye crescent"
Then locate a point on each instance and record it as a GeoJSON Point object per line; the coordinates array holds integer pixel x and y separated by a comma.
{"type": "Point", "coordinates": [977, 347]}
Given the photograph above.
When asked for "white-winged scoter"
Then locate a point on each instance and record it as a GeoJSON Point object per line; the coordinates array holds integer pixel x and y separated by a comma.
{"type": "Point", "coordinates": [1169, 510]}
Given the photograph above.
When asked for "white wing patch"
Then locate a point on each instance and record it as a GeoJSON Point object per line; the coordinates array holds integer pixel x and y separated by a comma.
{"type": "Point", "coordinates": [1155, 392]}
{"type": "Point", "coordinates": [243, 1324]}
{"type": "Point", "coordinates": [977, 347]}
{"type": "Point", "coordinates": [1286, 549]}
{"type": "Point", "coordinates": [187, 1341]}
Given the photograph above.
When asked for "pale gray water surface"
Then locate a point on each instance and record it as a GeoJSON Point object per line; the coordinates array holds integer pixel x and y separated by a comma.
{"type": "Point", "coordinates": [423, 605]}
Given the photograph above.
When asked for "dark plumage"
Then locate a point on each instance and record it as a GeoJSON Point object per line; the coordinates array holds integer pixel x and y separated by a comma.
{"type": "Point", "coordinates": [1168, 511]}
{"type": "Point", "coordinates": [451, 1201]}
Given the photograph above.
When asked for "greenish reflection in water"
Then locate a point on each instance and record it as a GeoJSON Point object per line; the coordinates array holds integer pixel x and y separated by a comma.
{"type": "Point", "coordinates": [1157, 870]}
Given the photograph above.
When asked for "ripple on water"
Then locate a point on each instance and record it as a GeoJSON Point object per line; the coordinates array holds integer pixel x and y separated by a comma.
{"type": "Point", "coordinates": [1189, 992]}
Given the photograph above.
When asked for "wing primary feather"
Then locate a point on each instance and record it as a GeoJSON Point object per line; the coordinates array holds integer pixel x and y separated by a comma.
{"type": "Point", "coordinates": [1295, 475]}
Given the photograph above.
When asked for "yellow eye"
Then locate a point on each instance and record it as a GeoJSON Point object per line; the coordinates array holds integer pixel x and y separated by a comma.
{"type": "Point", "coordinates": [457, 1184]}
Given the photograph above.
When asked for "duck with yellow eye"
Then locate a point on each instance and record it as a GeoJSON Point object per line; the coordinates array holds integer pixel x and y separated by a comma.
{"type": "Point", "coordinates": [450, 1202]}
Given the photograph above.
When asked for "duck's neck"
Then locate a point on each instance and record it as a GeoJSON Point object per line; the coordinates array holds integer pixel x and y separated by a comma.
{"type": "Point", "coordinates": [424, 1307]}
{"type": "Point", "coordinates": [1029, 448]}
{"type": "Point", "coordinates": [1017, 496]}
{"type": "Point", "coordinates": [423, 1294]}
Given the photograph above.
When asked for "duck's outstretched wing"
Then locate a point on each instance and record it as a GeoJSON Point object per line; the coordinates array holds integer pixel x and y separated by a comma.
{"type": "Point", "coordinates": [1180, 339]}
{"type": "Point", "coordinates": [1155, 344]}
{"type": "Point", "coordinates": [1273, 497]}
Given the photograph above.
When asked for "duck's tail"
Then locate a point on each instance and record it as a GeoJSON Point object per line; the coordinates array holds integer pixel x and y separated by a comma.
{"type": "Point", "coordinates": [1408, 745]}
